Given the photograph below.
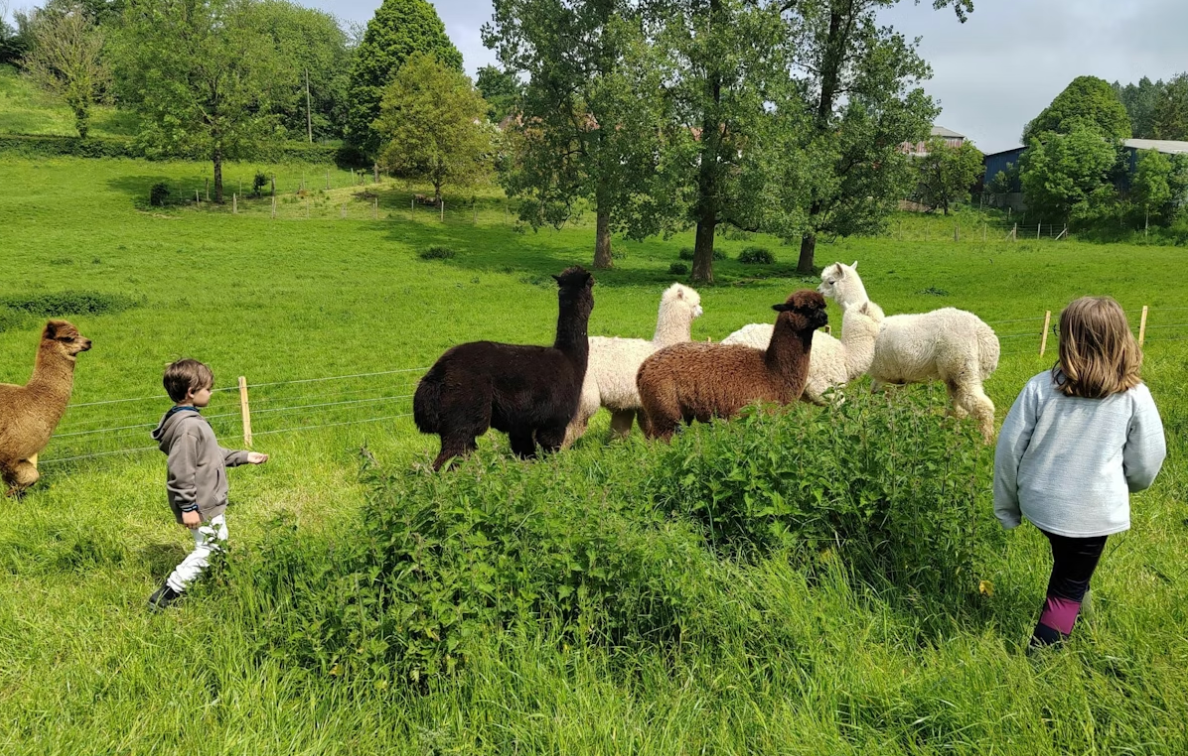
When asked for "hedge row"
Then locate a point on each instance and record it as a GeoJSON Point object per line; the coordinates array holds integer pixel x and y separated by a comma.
{"type": "Point", "coordinates": [29, 145]}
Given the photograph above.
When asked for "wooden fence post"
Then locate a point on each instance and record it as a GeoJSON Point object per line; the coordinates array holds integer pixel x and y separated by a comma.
{"type": "Point", "coordinates": [1038, 226]}
{"type": "Point", "coordinates": [274, 189]}
{"type": "Point", "coordinates": [375, 167]}
{"type": "Point", "coordinates": [197, 198]}
{"type": "Point", "coordinates": [1044, 335]}
{"type": "Point", "coordinates": [274, 207]}
{"type": "Point", "coordinates": [235, 204]}
{"type": "Point", "coordinates": [245, 410]}
{"type": "Point", "coordinates": [443, 209]}
{"type": "Point", "coordinates": [208, 190]}
{"type": "Point", "coordinates": [1015, 233]}
{"type": "Point", "coordinates": [1143, 327]}
{"type": "Point", "coordinates": [375, 210]}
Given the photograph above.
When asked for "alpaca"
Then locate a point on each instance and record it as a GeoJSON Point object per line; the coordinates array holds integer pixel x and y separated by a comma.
{"type": "Point", "coordinates": [832, 363]}
{"type": "Point", "coordinates": [701, 381]}
{"type": "Point", "coordinates": [949, 345]}
{"type": "Point", "coordinates": [30, 413]}
{"type": "Point", "coordinates": [610, 376]}
{"type": "Point", "coordinates": [528, 392]}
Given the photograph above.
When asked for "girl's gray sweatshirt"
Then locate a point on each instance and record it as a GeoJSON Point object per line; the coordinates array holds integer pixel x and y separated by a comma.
{"type": "Point", "coordinates": [1069, 464]}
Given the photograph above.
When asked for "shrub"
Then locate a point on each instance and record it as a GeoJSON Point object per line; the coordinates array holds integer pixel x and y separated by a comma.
{"type": "Point", "coordinates": [441, 562]}
{"type": "Point", "coordinates": [61, 303]}
{"type": "Point", "coordinates": [436, 253]}
{"type": "Point", "coordinates": [159, 194]}
{"type": "Point", "coordinates": [678, 269]}
{"type": "Point", "coordinates": [259, 181]}
{"type": "Point", "coordinates": [899, 491]}
{"type": "Point", "coordinates": [756, 256]}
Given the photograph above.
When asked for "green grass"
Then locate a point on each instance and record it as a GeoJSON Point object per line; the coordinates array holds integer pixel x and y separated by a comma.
{"type": "Point", "coordinates": [802, 663]}
{"type": "Point", "coordinates": [25, 109]}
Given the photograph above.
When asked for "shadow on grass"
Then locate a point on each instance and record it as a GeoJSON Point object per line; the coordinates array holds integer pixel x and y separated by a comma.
{"type": "Point", "coordinates": [162, 558]}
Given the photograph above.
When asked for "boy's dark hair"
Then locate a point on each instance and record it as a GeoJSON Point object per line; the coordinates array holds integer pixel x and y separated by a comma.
{"type": "Point", "coordinates": [183, 375]}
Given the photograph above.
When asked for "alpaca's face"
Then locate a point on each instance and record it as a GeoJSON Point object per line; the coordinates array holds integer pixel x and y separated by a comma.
{"type": "Point", "coordinates": [833, 278]}
{"type": "Point", "coordinates": [681, 295]}
{"type": "Point", "coordinates": [805, 311]}
{"type": "Point", "coordinates": [65, 338]}
{"type": "Point", "coordinates": [575, 290]}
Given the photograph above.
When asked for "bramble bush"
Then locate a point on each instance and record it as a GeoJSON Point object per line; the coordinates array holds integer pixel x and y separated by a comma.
{"type": "Point", "coordinates": [899, 491]}
{"type": "Point", "coordinates": [756, 256]}
{"type": "Point", "coordinates": [625, 545]}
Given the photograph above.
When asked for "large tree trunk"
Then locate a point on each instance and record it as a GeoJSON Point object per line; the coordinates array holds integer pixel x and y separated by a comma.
{"type": "Point", "coordinates": [703, 248]}
{"type": "Point", "coordinates": [602, 241]}
{"type": "Point", "coordinates": [835, 53]}
{"type": "Point", "coordinates": [808, 246]}
{"type": "Point", "coordinates": [217, 157]}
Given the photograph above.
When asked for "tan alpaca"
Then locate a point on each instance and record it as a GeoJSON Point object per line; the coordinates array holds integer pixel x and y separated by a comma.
{"type": "Point", "coordinates": [30, 413]}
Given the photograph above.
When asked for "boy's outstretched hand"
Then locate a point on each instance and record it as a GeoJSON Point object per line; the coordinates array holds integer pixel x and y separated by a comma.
{"type": "Point", "coordinates": [256, 458]}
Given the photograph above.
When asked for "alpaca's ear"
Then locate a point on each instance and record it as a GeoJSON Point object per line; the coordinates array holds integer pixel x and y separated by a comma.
{"type": "Point", "coordinates": [51, 330]}
{"type": "Point", "coordinates": [556, 277]}
{"type": "Point", "coordinates": [780, 308]}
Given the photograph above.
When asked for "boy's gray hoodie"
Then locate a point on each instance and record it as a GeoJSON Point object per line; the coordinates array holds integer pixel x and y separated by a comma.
{"type": "Point", "coordinates": [197, 464]}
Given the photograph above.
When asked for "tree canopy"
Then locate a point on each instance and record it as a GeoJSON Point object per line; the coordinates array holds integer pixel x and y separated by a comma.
{"type": "Point", "coordinates": [433, 122]}
{"type": "Point", "coordinates": [398, 29]}
{"type": "Point", "coordinates": [947, 173]}
{"type": "Point", "coordinates": [1061, 174]}
{"type": "Point", "coordinates": [66, 58]}
{"type": "Point", "coordinates": [1169, 117]}
{"type": "Point", "coordinates": [1086, 102]}
{"type": "Point", "coordinates": [206, 77]}
{"type": "Point", "coordinates": [502, 91]}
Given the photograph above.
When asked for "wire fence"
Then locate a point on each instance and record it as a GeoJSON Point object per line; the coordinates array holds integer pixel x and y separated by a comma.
{"type": "Point", "coordinates": [121, 427]}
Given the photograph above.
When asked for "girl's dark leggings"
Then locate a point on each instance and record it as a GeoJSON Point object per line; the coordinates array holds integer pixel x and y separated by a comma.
{"type": "Point", "coordinates": [1073, 562]}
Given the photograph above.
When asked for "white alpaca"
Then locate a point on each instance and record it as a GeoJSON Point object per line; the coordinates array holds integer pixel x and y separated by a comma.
{"type": "Point", "coordinates": [949, 345]}
{"type": "Point", "coordinates": [832, 363]}
{"type": "Point", "coordinates": [610, 373]}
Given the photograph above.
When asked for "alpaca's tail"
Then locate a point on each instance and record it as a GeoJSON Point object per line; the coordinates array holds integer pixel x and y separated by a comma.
{"type": "Point", "coordinates": [427, 404]}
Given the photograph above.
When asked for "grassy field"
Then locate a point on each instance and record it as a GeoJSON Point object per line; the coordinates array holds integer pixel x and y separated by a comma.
{"type": "Point", "coordinates": [24, 109]}
{"type": "Point", "coordinates": [327, 290]}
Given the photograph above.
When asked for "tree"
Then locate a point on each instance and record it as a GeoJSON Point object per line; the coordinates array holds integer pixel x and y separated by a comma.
{"type": "Point", "coordinates": [1139, 101]}
{"type": "Point", "coordinates": [205, 76]}
{"type": "Point", "coordinates": [589, 123]}
{"type": "Point", "coordinates": [947, 173]}
{"type": "Point", "coordinates": [14, 40]}
{"type": "Point", "coordinates": [1160, 184]}
{"type": "Point", "coordinates": [67, 59]}
{"type": "Point", "coordinates": [501, 89]}
{"type": "Point", "coordinates": [728, 147]}
{"type": "Point", "coordinates": [1169, 120]}
{"type": "Point", "coordinates": [433, 121]}
{"type": "Point", "coordinates": [398, 29]}
{"type": "Point", "coordinates": [316, 47]}
{"type": "Point", "coordinates": [1061, 173]}
{"type": "Point", "coordinates": [860, 80]}
{"type": "Point", "coordinates": [1089, 101]}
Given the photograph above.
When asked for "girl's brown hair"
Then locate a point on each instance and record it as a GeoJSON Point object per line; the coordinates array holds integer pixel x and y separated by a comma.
{"type": "Point", "coordinates": [1098, 354]}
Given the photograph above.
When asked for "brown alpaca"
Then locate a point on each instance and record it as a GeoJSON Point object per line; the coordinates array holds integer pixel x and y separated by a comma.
{"type": "Point", "coordinates": [29, 413]}
{"type": "Point", "coordinates": [702, 381]}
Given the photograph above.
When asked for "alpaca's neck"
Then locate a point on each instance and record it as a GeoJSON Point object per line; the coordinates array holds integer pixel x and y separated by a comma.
{"type": "Point", "coordinates": [571, 336]}
{"type": "Point", "coordinates": [788, 352]}
{"type": "Point", "coordinates": [853, 293]}
{"type": "Point", "coordinates": [859, 342]}
{"type": "Point", "coordinates": [674, 326]}
{"type": "Point", "coordinates": [52, 379]}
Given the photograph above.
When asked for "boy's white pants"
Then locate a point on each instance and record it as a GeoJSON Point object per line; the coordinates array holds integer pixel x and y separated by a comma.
{"type": "Point", "coordinates": [209, 538]}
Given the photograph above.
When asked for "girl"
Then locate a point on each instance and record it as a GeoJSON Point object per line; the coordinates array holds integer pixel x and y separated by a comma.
{"type": "Point", "coordinates": [1078, 439]}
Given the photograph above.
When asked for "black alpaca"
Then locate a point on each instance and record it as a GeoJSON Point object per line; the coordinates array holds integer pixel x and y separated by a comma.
{"type": "Point", "coordinates": [529, 392]}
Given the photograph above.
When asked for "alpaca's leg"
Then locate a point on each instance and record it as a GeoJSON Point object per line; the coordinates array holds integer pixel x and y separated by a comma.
{"type": "Point", "coordinates": [982, 409]}
{"type": "Point", "coordinates": [550, 437]}
{"type": "Point", "coordinates": [522, 443]}
{"type": "Point", "coordinates": [876, 386]}
{"type": "Point", "coordinates": [22, 475]}
{"type": "Point", "coordinates": [621, 421]}
{"type": "Point", "coordinates": [956, 403]}
{"type": "Point", "coordinates": [454, 447]}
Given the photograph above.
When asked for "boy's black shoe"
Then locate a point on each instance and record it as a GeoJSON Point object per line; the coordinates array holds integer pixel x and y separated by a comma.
{"type": "Point", "coordinates": [162, 598]}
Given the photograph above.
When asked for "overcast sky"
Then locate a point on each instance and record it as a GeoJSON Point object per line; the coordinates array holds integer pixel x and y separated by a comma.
{"type": "Point", "coordinates": [991, 74]}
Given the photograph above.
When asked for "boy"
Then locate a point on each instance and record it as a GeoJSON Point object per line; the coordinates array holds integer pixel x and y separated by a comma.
{"type": "Point", "coordinates": [197, 481]}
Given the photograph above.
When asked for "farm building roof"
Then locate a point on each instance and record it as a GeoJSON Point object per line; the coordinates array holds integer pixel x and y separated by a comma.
{"type": "Point", "coordinates": [1166, 146]}
{"type": "Point", "coordinates": [941, 131]}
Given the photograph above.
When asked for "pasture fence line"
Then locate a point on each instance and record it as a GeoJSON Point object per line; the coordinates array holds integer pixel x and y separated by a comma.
{"type": "Point", "coordinates": [268, 408]}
